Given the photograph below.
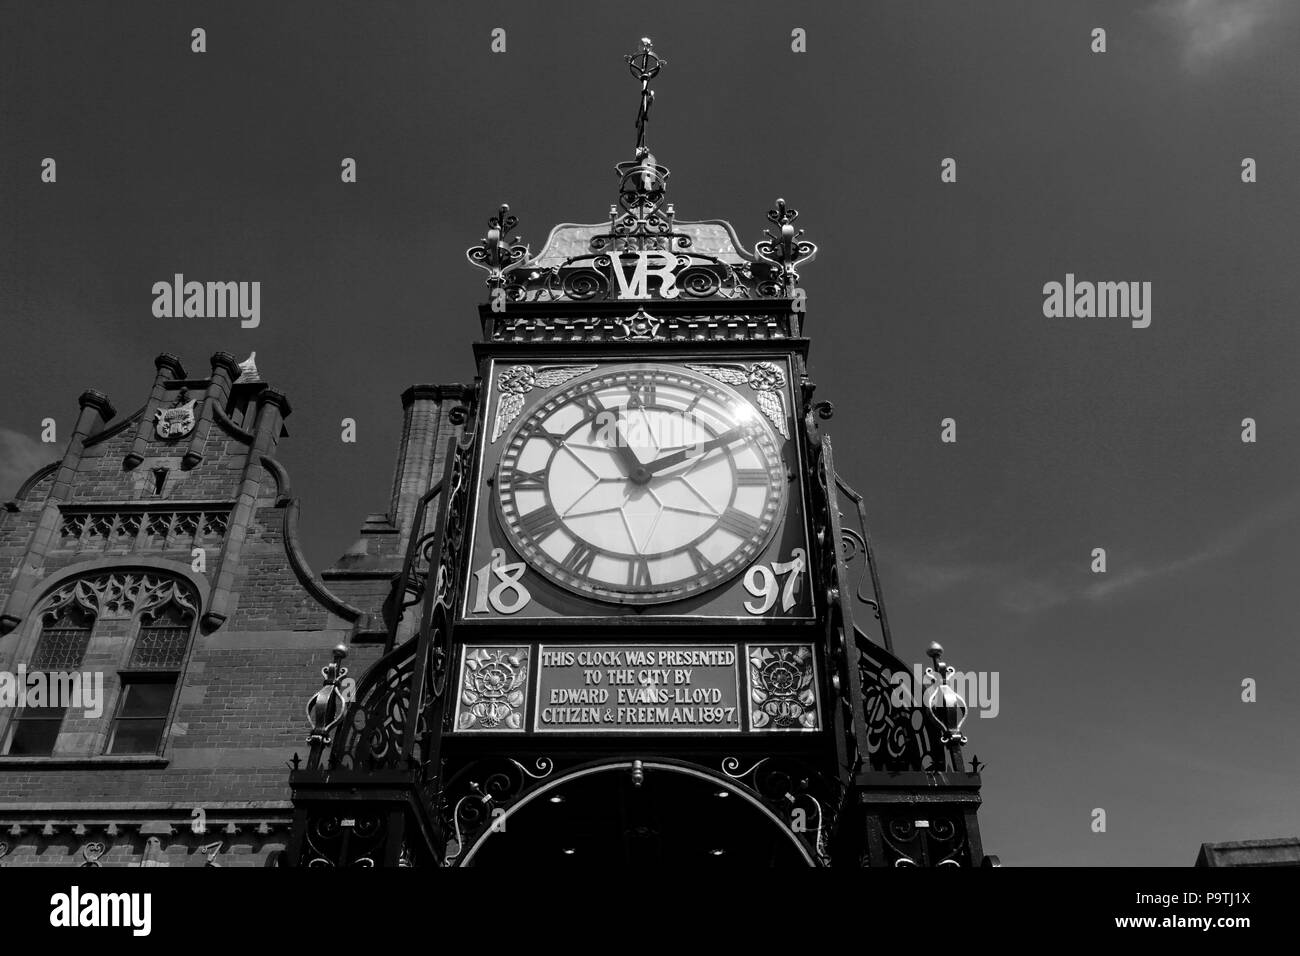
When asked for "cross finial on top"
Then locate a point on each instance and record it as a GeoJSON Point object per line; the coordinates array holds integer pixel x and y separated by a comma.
{"type": "Point", "coordinates": [644, 65]}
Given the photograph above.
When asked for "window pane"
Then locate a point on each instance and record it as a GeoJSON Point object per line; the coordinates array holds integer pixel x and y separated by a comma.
{"type": "Point", "coordinates": [34, 738]}
{"type": "Point", "coordinates": [151, 699]}
{"type": "Point", "coordinates": [136, 736]}
{"type": "Point", "coordinates": [160, 647]}
{"type": "Point", "coordinates": [60, 649]}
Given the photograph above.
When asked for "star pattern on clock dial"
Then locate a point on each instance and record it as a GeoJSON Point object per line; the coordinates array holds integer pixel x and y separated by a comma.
{"type": "Point", "coordinates": [682, 489]}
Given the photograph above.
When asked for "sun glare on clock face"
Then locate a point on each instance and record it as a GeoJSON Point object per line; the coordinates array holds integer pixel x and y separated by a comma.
{"type": "Point", "coordinates": [641, 484]}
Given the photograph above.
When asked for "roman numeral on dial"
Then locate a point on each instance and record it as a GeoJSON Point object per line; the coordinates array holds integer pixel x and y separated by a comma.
{"type": "Point", "coordinates": [640, 393]}
{"type": "Point", "coordinates": [528, 480]}
{"type": "Point", "coordinates": [579, 559]}
{"type": "Point", "coordinates": [738, 523]}
{"type": "Point", "coordinates": [751, 476]}
{"type": "Point", "coordinates": [590, 404]}
{"type": "Point", "coordinates": [638, 573]}
{"type": "Point", "coordinates": [538, 524]}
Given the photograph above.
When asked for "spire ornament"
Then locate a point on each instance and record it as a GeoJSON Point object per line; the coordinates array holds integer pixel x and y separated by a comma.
{"type": "Point", "coordinates": [946, 707]}
{"type": "Point", "coordinates": [327, 706]}
{"type": "Point", "coordinates": [786, 250]}
{"type": "Point", "coordinates": [645, 66]}
{"type": "Point", "coordinates": [640, 245]}
{"type": "Point", "coordinates": [642, 221]}
{"type": "Point", "coordinates": [498, 253]}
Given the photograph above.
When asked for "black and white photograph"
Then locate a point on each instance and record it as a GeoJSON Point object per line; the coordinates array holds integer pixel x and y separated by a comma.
{"type": "Point", "coordinates": [594, 442]}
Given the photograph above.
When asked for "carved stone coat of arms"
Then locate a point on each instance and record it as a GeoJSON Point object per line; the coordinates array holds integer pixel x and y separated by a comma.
{"type": "Point", "coordinates": [175, 422]}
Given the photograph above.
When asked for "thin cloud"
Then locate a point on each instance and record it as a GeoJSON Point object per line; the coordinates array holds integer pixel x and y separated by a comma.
{"type": "Point", "coordinates": [1013, 585]}
{"type": "Point", "coordinates": [1221, 546]}
{"type": "Point", "coordinates": [1211, 30]}
{"type": "Point", "coordinates": [20, 455]}
{"type": "Point", "coordinates": [1020, 590]}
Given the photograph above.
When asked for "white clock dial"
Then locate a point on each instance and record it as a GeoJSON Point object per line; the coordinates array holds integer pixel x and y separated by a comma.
{"type": "Point", "coordinates": [641, 484]}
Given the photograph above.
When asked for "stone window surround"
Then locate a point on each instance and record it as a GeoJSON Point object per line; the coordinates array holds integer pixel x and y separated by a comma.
{"type": "Point", "coordinates": [97, 757]}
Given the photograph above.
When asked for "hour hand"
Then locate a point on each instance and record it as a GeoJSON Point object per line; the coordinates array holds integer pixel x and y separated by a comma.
{"type": "Point", "coordinates": [623, 451]}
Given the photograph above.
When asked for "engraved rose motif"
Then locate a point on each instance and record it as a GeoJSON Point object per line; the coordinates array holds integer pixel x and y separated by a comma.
{"type": "Point", "coordinates": [765, 377]}
{"type": "Point", "coordinates": [491, 693]}
{"type": "Point", "coordinates": [781, 690]}
{"type": "Point", "coordinates": [518, 379]}
{"type": "Point", "coordinates": [779, 677]}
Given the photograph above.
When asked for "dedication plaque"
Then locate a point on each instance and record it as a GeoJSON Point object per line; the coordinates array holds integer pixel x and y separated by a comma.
{"type": "Point", "coordinates": [637, 688]}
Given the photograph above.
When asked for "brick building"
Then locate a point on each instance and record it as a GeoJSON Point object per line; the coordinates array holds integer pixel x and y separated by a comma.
{"type": "Point", "coordinates": [160, 553]}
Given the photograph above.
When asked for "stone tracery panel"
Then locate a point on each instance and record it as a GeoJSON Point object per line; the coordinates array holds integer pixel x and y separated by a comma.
{"type": "Point", "coordinates": [121, 595]}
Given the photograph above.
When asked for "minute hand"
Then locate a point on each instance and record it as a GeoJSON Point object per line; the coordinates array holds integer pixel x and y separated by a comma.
{"type": "Point", "coordinates": [695, 451]}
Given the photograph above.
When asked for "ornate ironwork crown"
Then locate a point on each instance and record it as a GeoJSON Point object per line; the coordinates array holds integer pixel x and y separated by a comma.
{"type": "Point", "coordinates": [703, 259]}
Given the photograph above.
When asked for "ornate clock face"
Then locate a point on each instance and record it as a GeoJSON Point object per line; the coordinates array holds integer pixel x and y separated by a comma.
{"type": "Point", "coordinates": [641, 484]}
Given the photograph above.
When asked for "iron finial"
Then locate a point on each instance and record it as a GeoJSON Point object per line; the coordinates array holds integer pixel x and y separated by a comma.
{"type": "Point", "coordinates": [499, 252]}
{"type": "Point", "coordinates": [785, 249]}
{"type": "Point", "coordinates": [327, 706]}
{"type": "Point", "coordinates": [645, 66]}
{"type": "Point", "coordinates": [943, 703]}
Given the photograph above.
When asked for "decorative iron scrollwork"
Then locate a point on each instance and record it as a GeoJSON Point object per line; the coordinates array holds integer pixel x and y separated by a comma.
{"type": "Point", "coordinates": [786, 249]}
{"type": "Point", "coordinates": [333, 839]}
{"type": "Point", "coordinates": [584, 283]}
{"type": "Point", "coordinates": [938, 841]}
{"type": "Point", "coordinates": [797, 795]}
{"type": "Point", "coordinates": [898, 736]}
{"type": "Point", "coordinates": [480, 792]}
{"type": "Point", "coordinates": [497, 253]}
{"type": "Point", "coordinates": [379, 730]}
{"type": "Point", "coordinates": [375, 725]}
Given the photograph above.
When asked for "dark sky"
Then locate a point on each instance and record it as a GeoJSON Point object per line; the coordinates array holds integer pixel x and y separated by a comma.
{"type": "Point", "coordinates": [1118, 691]}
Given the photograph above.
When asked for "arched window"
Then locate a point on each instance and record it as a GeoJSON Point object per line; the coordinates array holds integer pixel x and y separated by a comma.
{"type": "Point", "coordinates": [162, 608]}
{"type": "Point", "coordinates": [150, 679]}
{"type": "Point", "coordinates": [65, 635]}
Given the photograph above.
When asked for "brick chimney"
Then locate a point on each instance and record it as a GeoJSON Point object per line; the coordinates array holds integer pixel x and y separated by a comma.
{"type": "Point", "coordinates": [428, 420]}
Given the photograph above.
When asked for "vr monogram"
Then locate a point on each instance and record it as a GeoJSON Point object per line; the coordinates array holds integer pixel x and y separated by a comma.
{"type": "Point", "coordinates": [637, 287]}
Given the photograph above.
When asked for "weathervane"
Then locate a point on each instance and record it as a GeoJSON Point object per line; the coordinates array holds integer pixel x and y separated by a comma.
{"type": "Point", "coordinates": [645, 66]}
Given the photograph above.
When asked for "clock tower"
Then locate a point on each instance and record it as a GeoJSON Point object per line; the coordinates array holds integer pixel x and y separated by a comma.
{"type": "Point", "coordinates": [639, 618]}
